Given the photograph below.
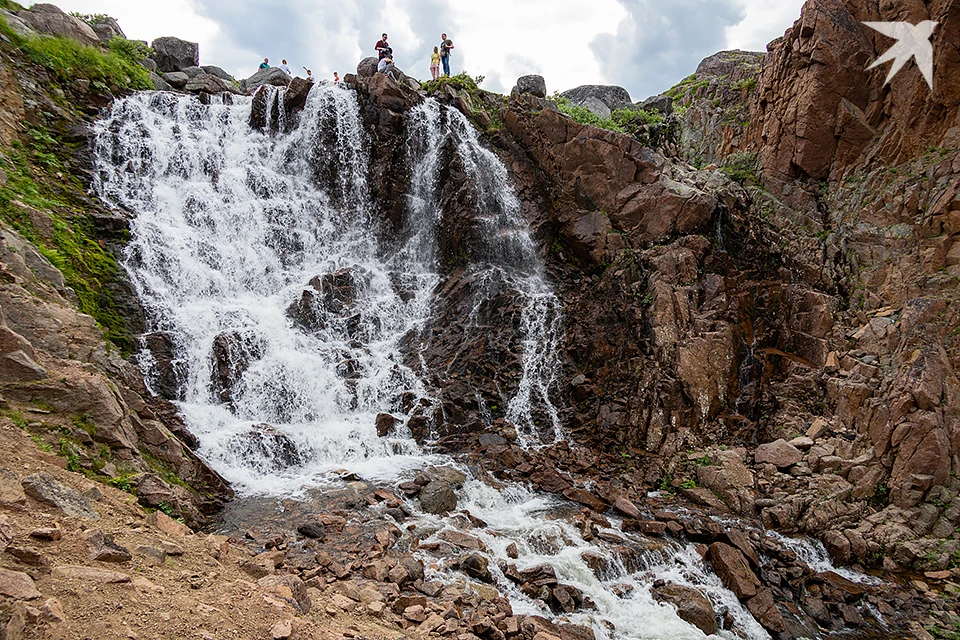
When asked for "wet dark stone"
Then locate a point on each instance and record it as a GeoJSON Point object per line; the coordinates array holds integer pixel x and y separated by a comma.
{"type": "Point", "coordinates": [313, 530]}
{"type": "Point", "coordinates": [476, 566]}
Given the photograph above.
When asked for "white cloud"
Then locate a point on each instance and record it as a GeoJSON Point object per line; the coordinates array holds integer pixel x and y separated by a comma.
{"type": "Point", "coordinates": [566, 41]}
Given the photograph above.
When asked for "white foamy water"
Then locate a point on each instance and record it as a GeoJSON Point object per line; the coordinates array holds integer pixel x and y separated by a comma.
{"type": "Point", "coordinates": [232, 226]}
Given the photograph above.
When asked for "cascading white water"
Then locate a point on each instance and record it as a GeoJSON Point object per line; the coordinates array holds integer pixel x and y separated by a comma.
{"type": "Point", "coordinates": [231, 225]}
{"type": "Point", "coordinates": [509, 262]}
{"type": "Point", "coordinates": [230, 228]}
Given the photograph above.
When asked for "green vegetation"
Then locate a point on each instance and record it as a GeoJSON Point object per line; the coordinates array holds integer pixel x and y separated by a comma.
{"type": "Point", "coordinates": [648, 127]}
{"type": "Point", "coordinates": [115, 69]}
{"type": "Point", "coordinates": [36, 177]}
{"type": "Point", "coordinates": [704, 461]}
{"type": "Point", "coordinates": [480, 100]}
{"type": "Point", "coordinates": [9, 5]}
{"type": "Point", "coordinates": [125, 482]}
{"type": "Point", "coordinates": [16, 417]}
{"type": "Point", "coordinates": [85, 423]}
{"type": "Point", "coordinates": [92, 18]}
{"type": "Point", "coordinates": [749, 84]}
{"type": "Point", "coordinates": [68, 450]}
{"type": "Point", "coordinates": [741, 167]}
{"type": "Point", "coordinates": [164, 470]}
{"type": "Point", "coordinates": [41, 443]}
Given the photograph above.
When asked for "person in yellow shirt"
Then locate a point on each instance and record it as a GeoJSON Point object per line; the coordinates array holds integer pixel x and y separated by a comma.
{"type": "Point", "coordinates": [435, 63]}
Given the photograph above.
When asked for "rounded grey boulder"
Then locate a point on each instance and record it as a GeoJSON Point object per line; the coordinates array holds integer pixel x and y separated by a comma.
{"type": "Point", "coordinates": [174, 54]}
{"type": "Point", "coordinates": [49, 19]}
{"type": "Point", "coordinates": [367, 67]}
{"type": "Point", "coordinates": [611, 96]}
{"type": "Point", "coordinates": [532, 84]}
{"type": "Point", "coordinates": [438, 497]}
{"type": "Point", "coordinates": [661, 104]}
{"type": "Point", "coordinates": [272, 76]}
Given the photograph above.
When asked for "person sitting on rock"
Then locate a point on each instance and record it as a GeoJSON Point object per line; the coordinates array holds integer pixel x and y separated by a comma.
{"type": "Point", "coordinates": [446, 45]}
{"type": "Point", "coordinates": [435, 64]}
{"type": "Point", "coordinates": [383, 49]}
{"type": "Point", "coordinates": [387, 67]}
{"type": "Point", "coordinates": [384, 62]}
{"type": "Point", "coordinates": [285, 68]}
{"type": "Point", "coordinates": [309, 74]}
{"type": "Point", "coordinates": [265, 64]}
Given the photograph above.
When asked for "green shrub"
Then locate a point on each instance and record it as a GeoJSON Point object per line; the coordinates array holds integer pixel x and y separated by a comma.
{"type": "Point", "coordinates": [741, 167]}
{"type": "Point", "coordinates": [746, 83]}
{"type": "Point", "coordinates": [92, 19]}
{"type": "Point", "coordinates": [9, 5]}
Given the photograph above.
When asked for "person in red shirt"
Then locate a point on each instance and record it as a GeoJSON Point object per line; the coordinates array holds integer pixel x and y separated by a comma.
{"type": "Point", "coordinates": [383, 49]}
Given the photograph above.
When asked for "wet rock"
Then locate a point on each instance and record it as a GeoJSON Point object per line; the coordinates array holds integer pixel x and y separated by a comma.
{"type": "Point", "coordinates": [585, 498]}
{"type": "Point", "coordinates": [438, 497]}
{"type": "Point", "coordinates": [102, 547]}
{"type": "Point", "coordinates": [646, 527]}
{"type": "Point", "coordinates": [779, 453]}
{"type": "Point", "coordinates": [476, 566]}
{"type": "Point", "coordinates": [512, 551]}
{"type": "Point", "coordinates": [232, 353]}
{"type": "Point", "coordinates": [296, 96]}
{"type": "Point", "coordinates": [44, 488]}
{"type": "Point", "coordinates": [550, 481]}
{"type": "Point", "coordinates": [764, 609]}
{"type": "Point", "coordinates": [691, 606]}
{"type": "Point", "coordinates": [169, 370]}
{"type": "Point", "coordinates": [385, 424]}
{"type": "Point", "coordinates": [312, 530]}
{"type": "Point", "coordinates": [627, 508]}
{"type": "Point", "coordinates": [531, 84]}
{"type": "Point", "coordinates": [174, 54]}
{"type": "Point", "coordinates": [733, 570]}
{"type": "Point", "coordinates": [264, 445]}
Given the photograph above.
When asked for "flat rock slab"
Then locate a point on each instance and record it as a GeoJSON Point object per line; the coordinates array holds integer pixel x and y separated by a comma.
{"type": "Point", "coordinates": [91, 574]}
{"type": "Point", "coordinates": [17, 585]}
{"type": "Point", "coordinates": [779, 453]}
{"type": "Point", "coordinates": [44, 488]}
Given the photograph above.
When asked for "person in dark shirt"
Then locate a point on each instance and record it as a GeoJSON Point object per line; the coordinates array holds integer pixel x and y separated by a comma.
{"type": "Point", "coordinates": [446, 45]}
{"type": "Point", "coordinates": [383, 49]}
{"type": "Point", "coordinates": [265, 64]}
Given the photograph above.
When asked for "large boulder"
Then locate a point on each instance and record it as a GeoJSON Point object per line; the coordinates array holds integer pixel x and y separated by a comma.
{"type": "Point", "coordinates": [661, 104]}
{"type": "Point", "coordinates": [779, 453]}
{"type": "Point", "coordinates": [192, 72]}
{"type": "Point", "coordinates": [266, 448]}
{"type": "Point", "coordinates": [611, 96]}
{"type": "Point", "coordinates": [734, 571]}
{"type": "Point", "coordinates": [367, 67]}
{"type": "Point", "coordinates": [107, 29]}
{"type": "Point", "coordinates": [595, 105]}
{"type": "Point", "coordinates": [217, 71]}
{"type": "Point", "coordinates": [438, 497]}
{"type": "Point", "coordinates": [272, 76]}
{"type": "Point", "coordinates": [691, 606]}
{"type": "Point", "coordinates": [207, 83]}
{"type": "Point", "coordinates": [45, 488]}
{"type": "Point", "coordinates": [532, 84]}
{"type": "Point", "coordinates": [176, 79]}
{"type": "Point", "coordinates": [232, 353]}
{"type": "Point", "coordinates": [49, 19]}
{"type": "Point", "coordinates": [174, 54]}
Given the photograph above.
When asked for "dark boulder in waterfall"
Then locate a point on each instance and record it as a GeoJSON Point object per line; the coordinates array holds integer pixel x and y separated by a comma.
{"type": "Point", "coordinates": [332, 294]}
{"type": "Point", "coordinates": [296, 96]}
{"type": "Point", "coordinates": [312, 530]}
{"type": "Point", "coordinates": [169, 371]}
{"type": "Point", "coordinates": [691, 606]}
{"type": "Point", "coordinates": [476, 566]}
{"type": "Point", "coordinates": [385, 424]}
{"type": "Point", "coordinates": [232, 353]}
{"type": "Point", "coordinates": [265, 447]}
{"type": "Point", "coordinates": [438, 497]}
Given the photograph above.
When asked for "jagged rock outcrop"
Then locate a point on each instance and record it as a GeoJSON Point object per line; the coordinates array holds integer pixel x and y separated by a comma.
{"type": "Point", "coordinates": [533, 85]}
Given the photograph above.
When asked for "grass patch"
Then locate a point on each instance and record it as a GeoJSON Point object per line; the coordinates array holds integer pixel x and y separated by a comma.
{"type": "Point", "coordinates": [126, 482]}
{"type": "Point", "coordinates": [116, 68]}
{"type": "Point", "coordinates": [68, 450]}
{"type": "Point", "coordinates": [9, 5]}
{"type": "Point", "coordinates": [41, 443]}
{"type": "Point", "coordinates": [16, 417]}
{"type": "Point", "coordinates": [165, 471]}
{"type": "Point", "coordinates": [749, 84]}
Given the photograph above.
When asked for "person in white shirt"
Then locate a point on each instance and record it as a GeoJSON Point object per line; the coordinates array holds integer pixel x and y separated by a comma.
{"type": "Point", "coordinates": [285, 68]}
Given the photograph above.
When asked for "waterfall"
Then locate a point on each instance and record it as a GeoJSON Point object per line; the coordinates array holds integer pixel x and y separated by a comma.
{"type": "Point", "coordinates": [256, 256]}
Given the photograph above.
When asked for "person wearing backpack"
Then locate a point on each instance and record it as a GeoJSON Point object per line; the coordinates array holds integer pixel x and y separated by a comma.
{"type": "Point", "coordinates": [445, 46]}
{"type": "Point", "coordinates": [383, 49]}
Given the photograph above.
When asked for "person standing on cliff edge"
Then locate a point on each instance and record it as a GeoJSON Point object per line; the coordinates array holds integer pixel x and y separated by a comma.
{"type": "Point", "coordinates": [445, 46]}
{"type": "Point", "coordinates": [383, 49]}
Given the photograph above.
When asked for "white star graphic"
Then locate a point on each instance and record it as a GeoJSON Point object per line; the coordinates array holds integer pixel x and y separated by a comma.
{"type": "Point", "coordinates": [913, 41]}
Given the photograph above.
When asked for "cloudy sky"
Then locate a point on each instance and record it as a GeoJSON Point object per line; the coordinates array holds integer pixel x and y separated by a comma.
{"type": "Point", "coordinates": [643, 45]}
